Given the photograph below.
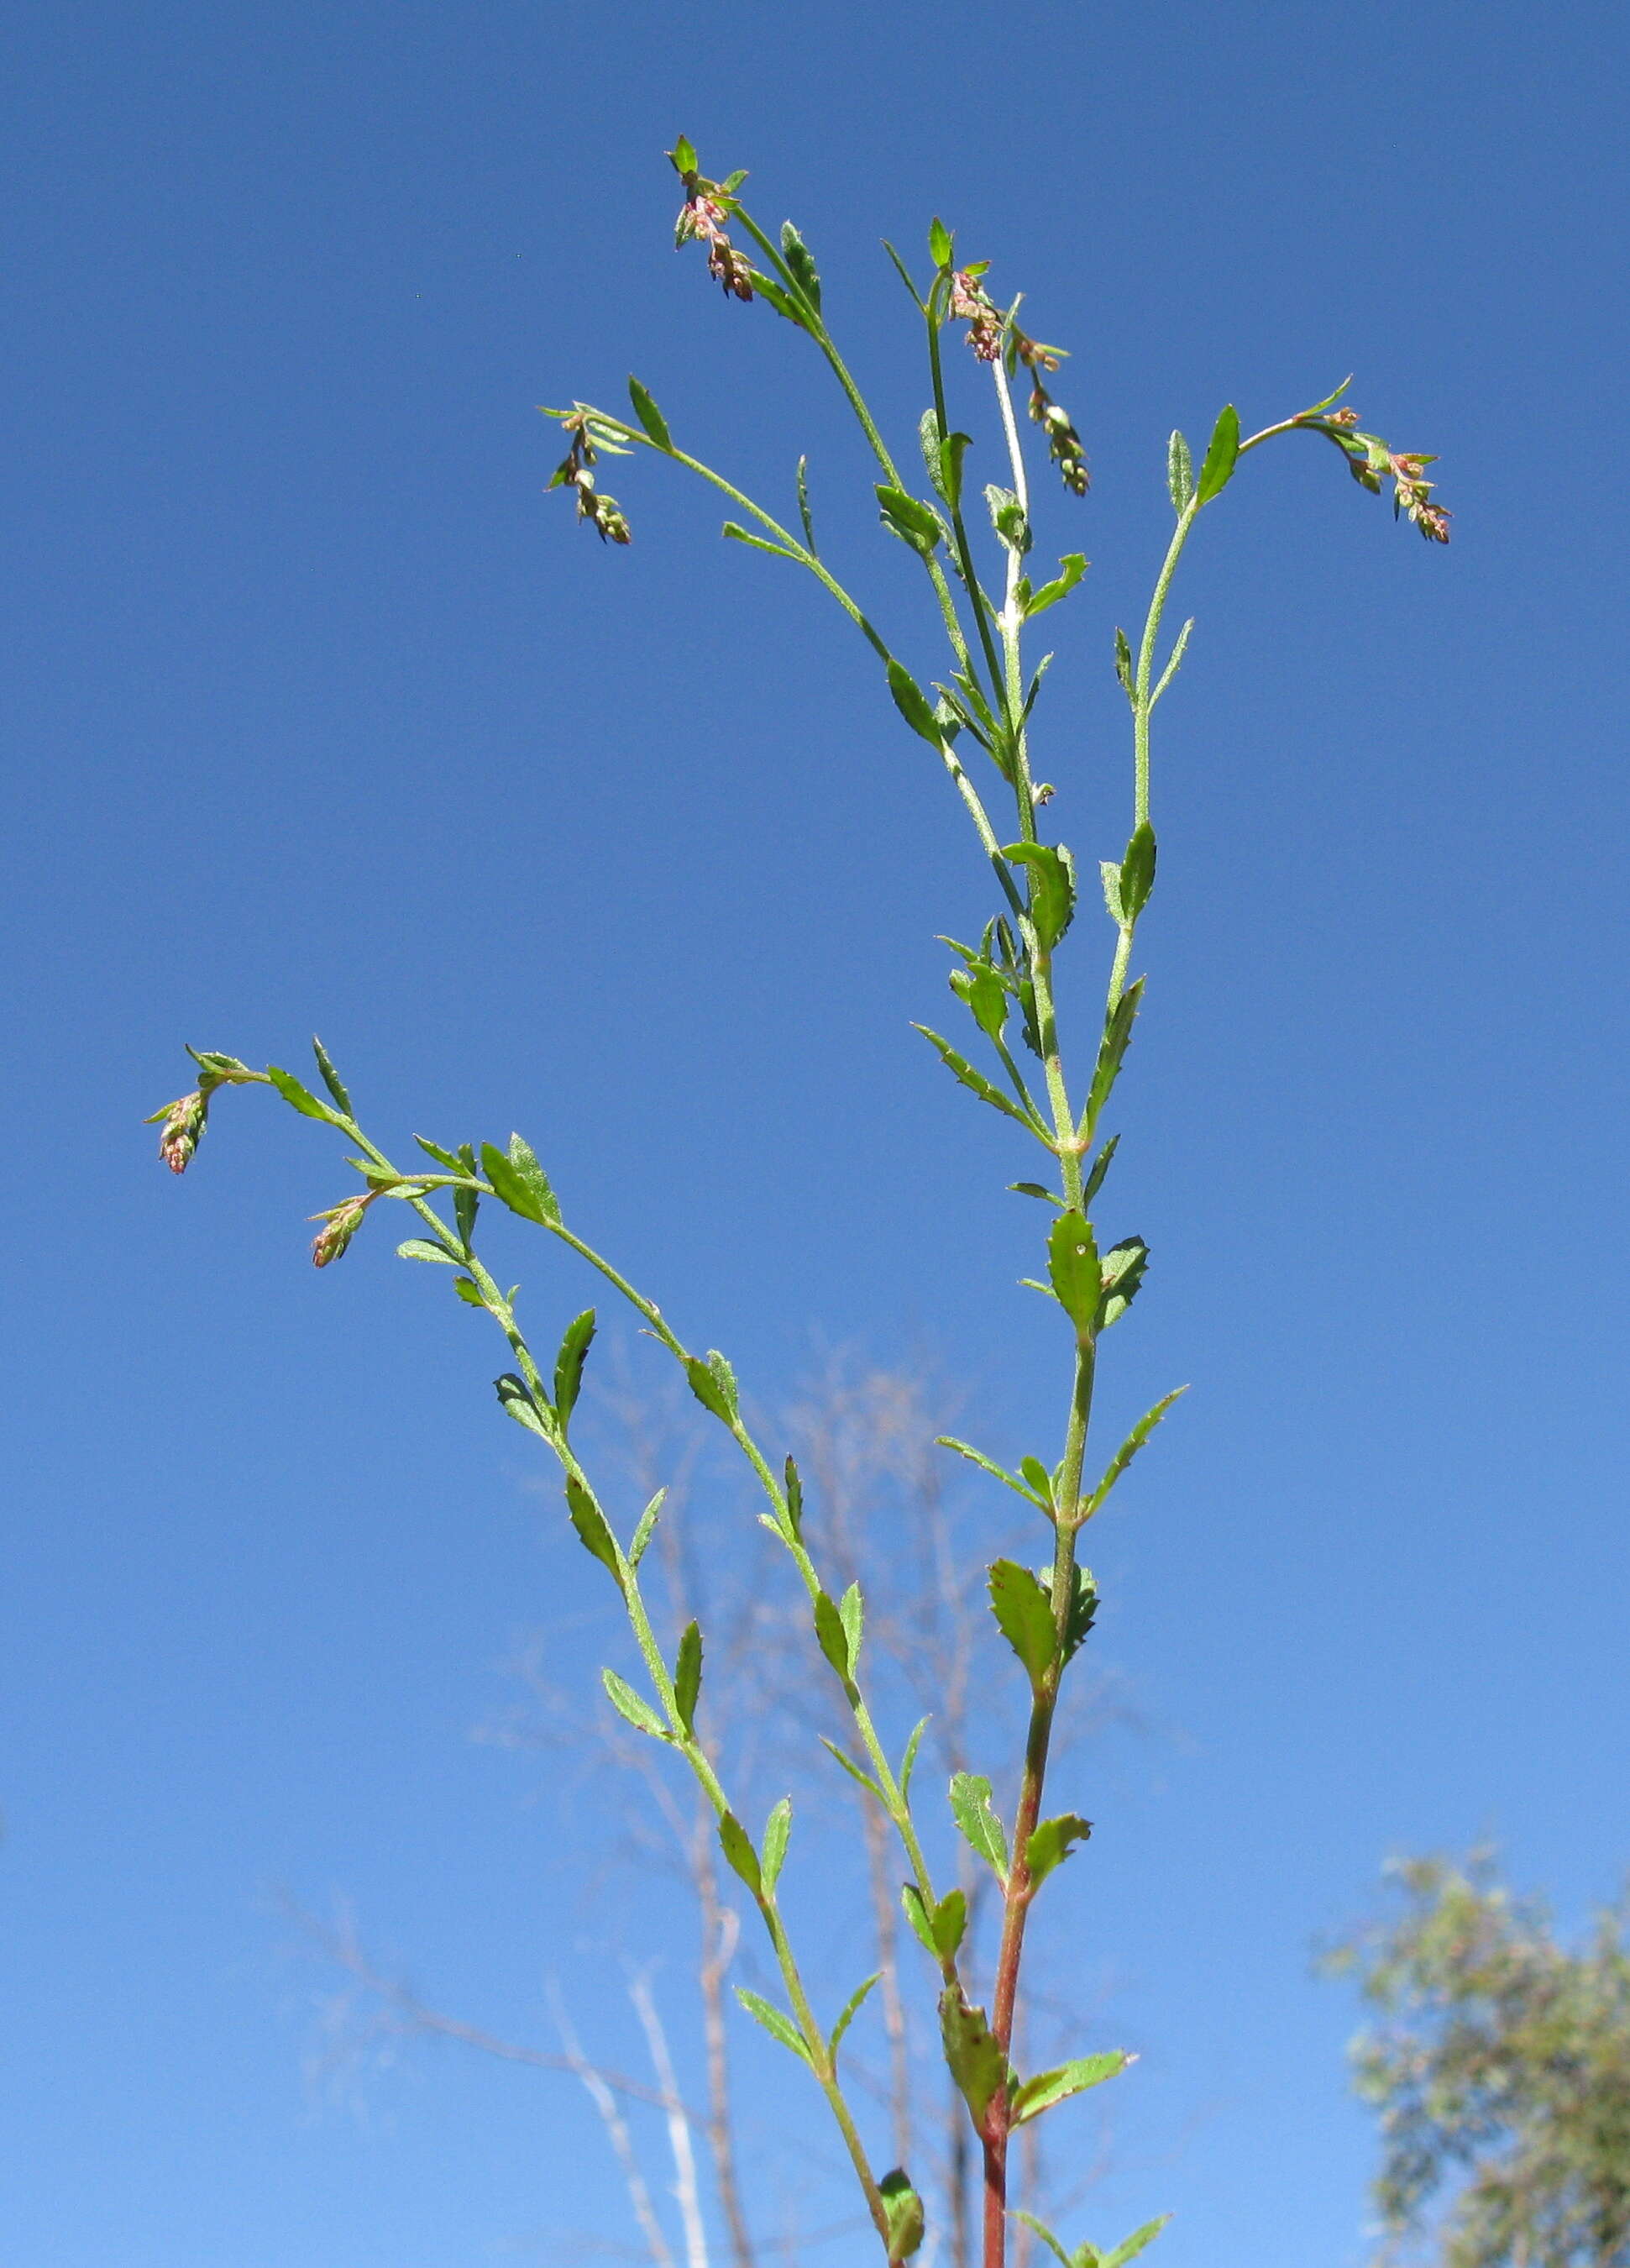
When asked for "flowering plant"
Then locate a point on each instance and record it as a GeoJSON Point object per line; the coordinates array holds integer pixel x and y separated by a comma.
{"type": "Point", "coordinates": [986, 703]}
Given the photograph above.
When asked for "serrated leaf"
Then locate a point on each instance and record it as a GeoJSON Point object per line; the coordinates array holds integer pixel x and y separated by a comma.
{"type": "Point", "coordinates": [331, 1078]}
{"type": "Point", "coordinates": [590, 1522]}
{"type": "Point", "coordinates": [777, 1831]}
{"type": "Point", "coordinates": [1124, 1265]}
{"type": "Point", "coordinates": [1083, 1606]}
{"type": "Point", "coordinates": [939, 242]}
{"type": "Point", "coordinates": [629, 1705]}
{"type": "Point", "coordinates": [903, 2209]}
{"type": "Point", "coordinates": [779, 2026]}
{"type": "Point", "coordinates": [1220, 456]}
{"type": "Point", "coordinates": [977, 2063]}
{"type": "Point", "coordinates": [1131, 2246]}
{"type": "Point", "coordinates": [909, 700]}
{"type": "Point", "coordinates": [1050, 2087]}
{"type": "Point", "coordinates": [1180, 473]}
{"type": "Point", "coordinates": [975, 1081]}
{"type": "Point", "coordinates": [521, 1181]}
{"type": "Point", "coordinates": [1073, 1269]}
{"type": "Point", "coordinates": [832, 1634]}
{"type": "Point", "coordinates": [520, 1403]}
{"type": "Point", "coordinates": [687, 1676]}
{"type": "Point", "coordinates": [801, 262]}
{"type": "Point", "coordinates": [1051, 1842]}
{"type": "Point", "coordinates": [1137, 872]}
{"type": "Point", "coordinates": [987, 1465]}
{"type": "Point", "coordinates": [851, 2009]}
{"type": "Point", "coordinates": [570, 1361]}
{"type": "Point", "coordinates": [1113, 1047]}
{"type": "Point", "coordinates": [1053, 888]}
{"type": "Point", "coordinates": [646, 1528]}
{"type": "Point", "coordinates": [420, 1247]}
{"type": "Point", "coordinates": [971, 1807]}
{"type": "Point", "coordinates": [650, 417]}
{"type": "Point", "coordinates": [1074, 566]}
{"type": "Point", "coordinates": [709, 1388]}
{"type": "Point", "coordinates": [863, 1780]}
{"type": "Point", "coordinates": [1023, 1613]}
{"type": "Point", "coordinates": [1129, 1448]}
{"type": "Point", "coordinates": [302, 1099]}
{"type": "Point", "coordinates": [739, 1855]}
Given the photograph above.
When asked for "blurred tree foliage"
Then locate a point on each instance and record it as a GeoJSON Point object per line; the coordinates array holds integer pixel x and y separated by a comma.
{"type": "Point", "coordinates": [1499, 2067]}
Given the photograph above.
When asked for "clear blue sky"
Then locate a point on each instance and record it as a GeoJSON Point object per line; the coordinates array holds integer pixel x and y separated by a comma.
{"type": "Point", "coordinates": [318, 714]}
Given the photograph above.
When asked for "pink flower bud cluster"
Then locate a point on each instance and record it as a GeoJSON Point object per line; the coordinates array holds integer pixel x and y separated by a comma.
{"type": "Point", "coordinates": [703, 217]}
{"type": "Point", "coordinates": [1370, 461]}
{"type": "Point", "coordinates": [574, 471]}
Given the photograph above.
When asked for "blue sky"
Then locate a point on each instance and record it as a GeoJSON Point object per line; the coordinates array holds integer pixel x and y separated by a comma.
{"type": "Point", "coordinates": [319, 714]}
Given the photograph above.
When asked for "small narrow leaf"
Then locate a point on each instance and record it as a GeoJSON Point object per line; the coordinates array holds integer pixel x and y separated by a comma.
{"type": "Point", "coordinates": [1220, 457]}
{"type": "Point", "coordinates": [795, 1498]}
{"type": "Point", "coordinates": [909, 1761]}
{"type": "Point", "coordinates": [739, 1855]}
{"type": "Point", "coordinates": [1053, 888]}
{"type": "Point", "coordinates": [1137, 872]}
{"type": "Point", "coordinates": [778, 297]}
{"type": "Point", "coordinates": [916, 1913]}
{"type": "Point", "coordinates": [851, 2009]}
{"type": "Point", "coordinates": [628, 1703]}
{"type": "Point", "coordinates": [977, 2063]}
{"type": "Point", "coordinates": [909, 700]}
{"type": "Point", "coordinates": [646, 1528]}
{"type": "Point", "coordinates": [1100, 1166]}
{"type": "Point", "coordinates": [303, 1099]}
{"type": "Point", "coordinates": [852, 1614]}
{"type": "Point", "coordinates": [831, 1635]}
{"type": "Point", "coordinates": [1023, 1613]}
{"type": "Point", "coordinates": [1051, 1843]}
{"type": "Point", "coordinates": [590, 1522]}
{"type": "Point", "coordinates": [467, 1292]}
{"type": "Point", "coordinates": [1113, 1047]}
{"type": "Point", "coordinates": [1129, 1448]}
{"type": "Point", "coordinates": [570, 1361]}
{"type": "Point", "coordinates": [521, 1181]}
{"type": "Point", "coordinates": [1073, 1269]}
{"type": "Point", "coordinates": [975, 1081]}
{"type": "Point", "coordinates": [939, 243]}
{"type": "Point", "coordinates": [987, 1465]}
{"type": "Point", "coordinates": [971, 1807]}
{"type": "Point", "coordinates": [453, 1164]}
{"type": "Point", "coordinates": [709, 1388]}
{"type": "Point", "coordinates": [777, 1831]}
{"type": "Point", "coordinates": [1036, 1189]}
{"type": "Point", "coordinates": [801, 262]}
{"type": "Point", "coordinates": [521, 1405]}
{"type": "Point", "coordinates": [687, 1676]}
{"type": "Point", "coordinates": [1180, 473]}
{"type": "Point", "coordinates": [1040, 1478]}
{"type": "Point", "coordinates": [1123, 666]}
{"type": "Point", "coordinates": [803, 503]}
{"type": "Point", "coordinates": [650, 416]}
{"type": "Point", "coordinates": [420, 1247]}
{"type": "Point", "coordinates": [736, 533]}
{"type": "Point", "coordinates": [1050, 2087]}
{"type": "Point", "coordinates": [1074, 567]}
{"type": "Point", "coordinates": [1131, 2246]}
{"type": "Point", "coordinates": [778, 2026]}
{"type": "Point", "coordinates": [1039, 2229]}
{"type": "Point", "coordinates": [331, 1078]}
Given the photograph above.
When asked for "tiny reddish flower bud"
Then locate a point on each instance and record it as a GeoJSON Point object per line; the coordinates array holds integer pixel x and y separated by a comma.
{"type": "Point", "coordinates": [183, 1124]}
{"type": "Point", "coordinates": [338, 1226]}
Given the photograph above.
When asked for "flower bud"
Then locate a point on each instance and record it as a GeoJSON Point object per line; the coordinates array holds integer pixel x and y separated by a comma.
{"type": "Point", "coordinates": [340, 1225]}
{"type": "Point", "coordinates": [184, 1122]}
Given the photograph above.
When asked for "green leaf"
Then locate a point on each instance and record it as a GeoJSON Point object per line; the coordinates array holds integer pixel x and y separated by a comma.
{"type": "Point", "coordinates": [521, 1181]}
{"type": "Point", "coordinates": [628, 1703]}
{"type": "Point", "coordinates": [948, 1924]}
{"type": "Point", "coordinates": [1023, 1615]}
{"type": "Point", "coordinates": [909, 1761]}
{"type": "Point", "coordinates": [795, 1498]}
{"type": "Point", "coordinates": [1074, 567]}
{"type": "Point", "coordinates": [852, 1614]}
{"type": "Point", "coordinates": [974, 1080]}
{"type": "Point", "coordinates": [1039, 2229]}
{"type": "Point", "coordinates": [782, 300]}
{"type": "Point", "coordinates": [986, 1464]}
{"type": "Point", "coordinates": [453, 1164]}
{"type": "Point", "coordinates": [303, 1099]}
{"type": "Point", "coordinates": [777, 1830]}
{"type": "Point", "coordinates": [467, 1292]}
{"type": "Point", "coordinates": [1100, 1166]}
{"type": "Point", "coordinates": [801, 263]}
{"type": "Point", "coordinates": [1040, 1478]}
{"type": "Point", "coordinates": [950, 452]}
{"type": "Point", "coordinates": [420, 1247]}
{"type": "Point", "coordinates": [832, 1634]}
{"type": "Point", "coordinates": [1124, 1265]}
{"type": "Point", "coordinates": [1220, 457]}
{"type": "Point", "coordinates": [569, 1364]}
{"type": "Point", "coordinates": [778, 2026]}
{"type": "Point", "coordinates": [1123, 666]}
{"type": "Point", "coordinates": [851, 2009]}
{"type": "Point", "coordinates": [1050, 2087]}
{"type": "Point", "coordinates": [908, 699]}
{"type": "Point", "coordinates": [803, 503]}
{"type": "Point", "coordinates": [1180, 473]}
{"type": "Point", "coordinates": [1131, 2246]}
{"type": "Point", "coordinates": [1036, 1189]}
{"type": "Point", "coordinates": [1330, 400]}
{"type": "Point", "coordinates": [985, 996]}
{"type": "Point", "coordinates": [904, 273]}
{"type": "Point", "coordinates": [466, 1203]}
{"type": "Point", "coordinates": [650, 416]}
{"type": "Point", "coordinates": [1129, 1448]}
{"type": "Point", "coordinates": [1113, 1047]}
{"type": "Point", "coordinates": [1051, 1843]}
{"type": "Point", "coordinates": [971, 1807]}
{"type": "Point", "coordinates": [687, 1676]}
{"type": "Point", "coordinates": [682, 158]}
{"type": "Point", "coordinates": [590, 1522]}
{"type": "Point", "coordinates": [521, 1403]}
{"type": "Point", "coordinates": [1053, 888]}
{"type": "Point", "coordinates": [713, 1383]}
{"type": "Point", "coordinates": [1073, 1269]}
{"type": "Point", "coordinates": [914, 523]}
{"type": "Point", "coordinates": [849, 1765]}
{"type": "Point", "coordinates": [939, 242]}
{"type": "Point", "coordinates": [1009, 519]}
{"type": "Point", "coordinates": [646, 1528]}
{"type": "Point", "coordinates": [739, 1855]}
{"type": "Point", "coordinates": [904, 2210]}
{"type": "Point", "coordinates": [737, 533]}
{"type": "Point", "coordinates": [1083, 1606]}
{"type": "Point", "coordinates": [331, 1078]}
{"type": "Point", "coordinates": [916, 1913]}
{"type": "Point", "coordinates": [977, 2063]}
{"type": "Point", "coordinates": [1137, 872]}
